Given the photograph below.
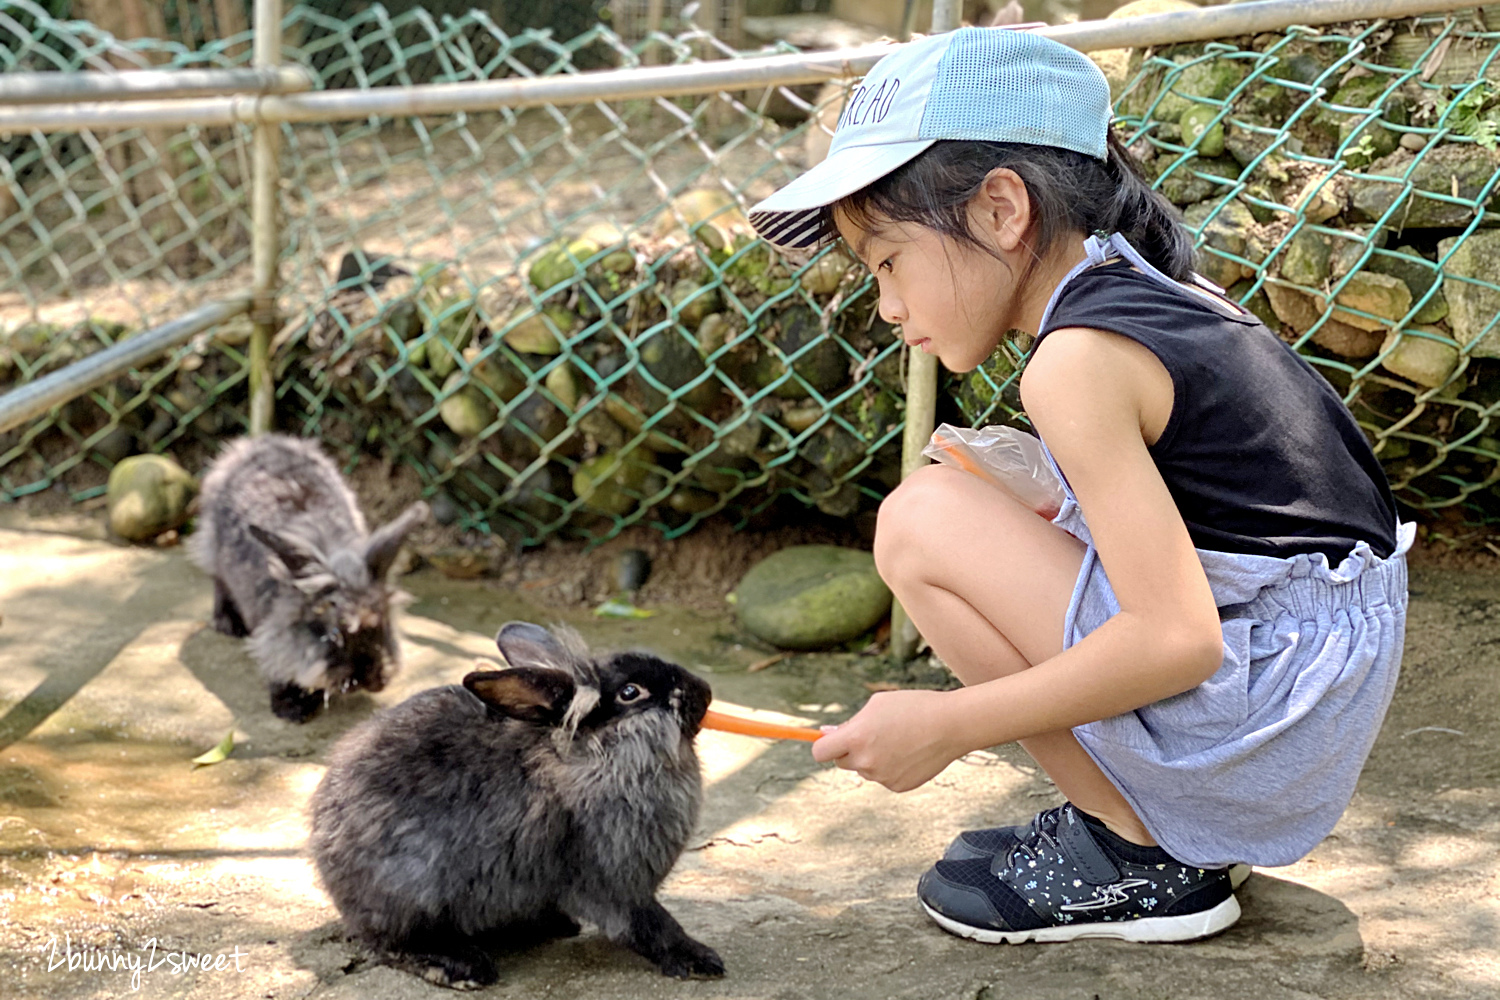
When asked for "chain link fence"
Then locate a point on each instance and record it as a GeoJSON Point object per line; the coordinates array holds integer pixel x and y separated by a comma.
{"type": "Point", "coordinates": [555, 321]}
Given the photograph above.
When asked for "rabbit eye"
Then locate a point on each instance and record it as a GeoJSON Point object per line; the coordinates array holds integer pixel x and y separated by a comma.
{"type": "Point", "coordinates": [630, 693]}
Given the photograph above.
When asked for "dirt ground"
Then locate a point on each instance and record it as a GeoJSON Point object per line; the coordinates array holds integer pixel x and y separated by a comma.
{"type": "Point", "coordinates": [114, 850]}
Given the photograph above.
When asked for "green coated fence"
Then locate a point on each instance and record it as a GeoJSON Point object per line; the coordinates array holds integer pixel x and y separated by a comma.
{"type": "Point", "coordinates": [555, 320]}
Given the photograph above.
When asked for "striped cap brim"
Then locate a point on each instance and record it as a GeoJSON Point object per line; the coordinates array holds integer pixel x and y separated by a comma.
{"type": "Point", "coordinates": [792, 218]}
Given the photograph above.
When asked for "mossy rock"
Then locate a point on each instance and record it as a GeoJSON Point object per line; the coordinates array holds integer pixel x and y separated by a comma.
{"type": "Point", "coordinates": [1183, 186]}
{"type": "Point", "coordinates": [691, 500]}
{"type": "Point", "coordinates": [812, 597]}
{"type": "Point", "coordinates": [537, 332]}
{"type": "Point", "coordinates": [1472, 307]}
{"type": "Point", "coordinates": [1201, 131]}
{"type": "Point", "coordinates": [833, 450]}
{"type": "Point", "coordinates": [1448, 170]}
{"type": "Point", "coordinates": [675, 362]}
{"type": "Point", "coordinates": [147, 495]}
{"type": "Point", "coordinates": [1372, 301]}
{"type": "Point", "coordinates": [1423, 360]}
{"type": "Point", "coordinates": [535, 423]}
{"type": "Point", "coordinates": [1419, 275]}
{"type": "Point", "coordinates": [712, 333]}
{"type": "Point", "coordinates": [616, 484]}
{"type": "Point", "coordinates": [1225, 227]}
{"type": "Point", "coordinates": [1366, 140]}
{"type": "Point", "coordinates": [541, 494]}
{"type": "Point", "coordinates": [1214, 79]}
{"type": "Point", "coordinates": [693, 301]}
{"type": "Point", "coordinates": [824, 366]}
{"type": "Point", "coordinates": [466, 412]}
{"type": "Point", "coordinates": [561, 262]}
{"type": "Point", "coordinates": [1245, 144]}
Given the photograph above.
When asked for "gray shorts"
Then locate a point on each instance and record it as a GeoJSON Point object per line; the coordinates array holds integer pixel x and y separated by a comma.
{"type": "Point", "coordinates": [1257, 763]}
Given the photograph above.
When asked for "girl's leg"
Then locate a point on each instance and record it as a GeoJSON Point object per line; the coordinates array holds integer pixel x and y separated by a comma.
{"type": "Point", "coordinates": [988, 582]}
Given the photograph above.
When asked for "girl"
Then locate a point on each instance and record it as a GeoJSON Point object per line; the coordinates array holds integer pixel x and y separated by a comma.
{"type": "Point", "coordinates": [1200, 647]}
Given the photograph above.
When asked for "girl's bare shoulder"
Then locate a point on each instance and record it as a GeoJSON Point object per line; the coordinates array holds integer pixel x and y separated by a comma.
{"type": "Point", "coordinates": [1079, 372]}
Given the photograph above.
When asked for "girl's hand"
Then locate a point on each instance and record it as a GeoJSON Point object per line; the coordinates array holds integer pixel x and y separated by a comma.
{"type": "Point", "coordinates": [898, 739]}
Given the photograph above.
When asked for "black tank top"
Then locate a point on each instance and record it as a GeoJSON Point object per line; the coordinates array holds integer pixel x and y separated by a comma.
{"type": "Point", "coordinates": [1260, 453]}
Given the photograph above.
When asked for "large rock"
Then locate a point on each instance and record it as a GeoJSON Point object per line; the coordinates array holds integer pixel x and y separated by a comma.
{"type": "Point", "coordinates": [1227, 230]}
{"type": "Point", "coordinates": [812, 597]}
{"type": "Point", "coordinates": [1419, 275]}
{"type": "Point", "coordinates": [1300, 312]}
{"type": "Point", "coordinates": [148, 494]}
{"type": "Point", "coordinates": [1377, 301]}
{"type": "Point", "coordinates": [1450, 170]}
{"type": "Point", "coordinates": [1425, 361]}
{"type": "Point", "coordinates": [1473, 308]}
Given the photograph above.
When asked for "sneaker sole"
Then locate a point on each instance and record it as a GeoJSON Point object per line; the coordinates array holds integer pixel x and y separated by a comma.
{"type": "Point", "coordinates": [1188, 927]}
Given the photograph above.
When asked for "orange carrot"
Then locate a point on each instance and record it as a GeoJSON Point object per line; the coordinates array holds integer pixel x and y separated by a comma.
{"type": "Point", "coordinates": [755, 727]}
{"type": "Point", "coordinates": [961, 455]}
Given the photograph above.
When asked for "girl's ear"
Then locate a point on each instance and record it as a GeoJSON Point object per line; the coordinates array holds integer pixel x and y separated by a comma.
{"type": "Point", "coordinates": [1003, 209]}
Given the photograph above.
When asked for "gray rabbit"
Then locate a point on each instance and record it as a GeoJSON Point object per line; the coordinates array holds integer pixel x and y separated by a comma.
{"type": "Point", "coordinates": [297, 572]}
{"type": "Point", "coordinates": [504, 811]}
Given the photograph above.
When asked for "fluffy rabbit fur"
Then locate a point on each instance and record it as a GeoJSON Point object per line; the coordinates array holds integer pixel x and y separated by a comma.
{"type": "Point", "coordinates": [296, 571]}
{"type": "Point", "coordinates": [502, 812]}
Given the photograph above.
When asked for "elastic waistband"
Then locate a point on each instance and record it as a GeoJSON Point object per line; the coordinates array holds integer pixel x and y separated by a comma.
{"type": "Point", "coordinates": [1310, 590]}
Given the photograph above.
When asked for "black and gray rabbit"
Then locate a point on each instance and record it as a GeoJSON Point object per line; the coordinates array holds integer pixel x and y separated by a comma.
{"type": "Point", "coordinates": [504, 811]}
{"type": "Point", "coordinates": [296, 571]}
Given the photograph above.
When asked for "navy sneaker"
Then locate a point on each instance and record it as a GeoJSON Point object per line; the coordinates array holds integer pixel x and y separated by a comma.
{"type": "Point", "coordinates": [972, 844]}
{"type": "Point", "coordinates": [1067, 877]}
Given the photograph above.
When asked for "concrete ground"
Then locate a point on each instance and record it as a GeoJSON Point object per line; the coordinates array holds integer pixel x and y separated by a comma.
{"type": "Point", "coordinates": [115, 850]}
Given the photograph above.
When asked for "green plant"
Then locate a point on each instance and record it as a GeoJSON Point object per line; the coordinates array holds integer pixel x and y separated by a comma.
{"type": "Point", "coordinates": [1475, 112]}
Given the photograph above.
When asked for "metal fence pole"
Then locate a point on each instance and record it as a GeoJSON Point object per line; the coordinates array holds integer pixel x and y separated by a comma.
{"type": "Point", "coordinates": [265, 234]}
{"type": "Point", "coordinates": [921, 397]}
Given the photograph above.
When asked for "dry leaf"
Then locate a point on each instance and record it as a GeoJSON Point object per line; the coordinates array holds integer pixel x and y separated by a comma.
{"type": "Point", "coordinates": [769, 661]}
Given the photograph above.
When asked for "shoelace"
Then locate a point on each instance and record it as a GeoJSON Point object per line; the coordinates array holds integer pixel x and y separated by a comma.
{"type": "Point", "coordinates": [1041, 834]}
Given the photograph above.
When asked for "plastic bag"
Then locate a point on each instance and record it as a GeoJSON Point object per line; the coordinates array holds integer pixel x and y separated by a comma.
{"type": "Point", "coordinates": [1004, 457]}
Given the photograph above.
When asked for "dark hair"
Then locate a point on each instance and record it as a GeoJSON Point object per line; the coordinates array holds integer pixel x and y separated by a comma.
{"type": "Point", "coordinates": [1070, 192]}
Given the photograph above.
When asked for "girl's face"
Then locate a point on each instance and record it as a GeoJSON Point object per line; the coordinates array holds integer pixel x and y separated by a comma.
{"type": "Point", "coordinates": [954, 299]}
{"type": "Point", "coordinates": [949, 298]}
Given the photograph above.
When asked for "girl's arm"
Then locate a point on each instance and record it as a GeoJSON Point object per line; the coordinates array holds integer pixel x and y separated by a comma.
{"type": "Point", "coordinates": [1095, 397]}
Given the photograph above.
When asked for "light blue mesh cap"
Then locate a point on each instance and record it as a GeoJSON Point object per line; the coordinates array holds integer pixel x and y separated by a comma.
{"type": "Point", "coordinates": [992, 84]}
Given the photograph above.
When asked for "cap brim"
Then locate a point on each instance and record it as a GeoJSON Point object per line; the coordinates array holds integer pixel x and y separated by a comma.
{"type": "Point", "coordinates": [792, 218]}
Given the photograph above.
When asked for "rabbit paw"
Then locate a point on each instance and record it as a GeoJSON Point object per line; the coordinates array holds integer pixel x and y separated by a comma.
{"type": "Point", "coordinates": [690, 958]}
{"type": "Point", "coordinates": [470, 969]}
{"type": "Point", "coordinates": [294, 703]}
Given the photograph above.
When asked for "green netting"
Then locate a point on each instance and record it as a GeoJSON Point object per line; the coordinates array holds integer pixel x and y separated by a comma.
{"type": "Point", "coordinates": [558, 321]}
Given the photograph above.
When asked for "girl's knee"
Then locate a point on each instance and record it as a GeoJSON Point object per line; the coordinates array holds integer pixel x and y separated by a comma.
{"type": "Point", "coordinates": [913, 509]}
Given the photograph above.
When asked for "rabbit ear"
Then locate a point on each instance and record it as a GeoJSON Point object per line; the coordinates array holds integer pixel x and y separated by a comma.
{"type": "Point", "coordinates": [381, 549]}
{"type": "Point", "coordinates": [526, 645]}
{"type": "Point", "coordinates": [296, 555]}
{"type": "Point", "coordinates": [531, 694]}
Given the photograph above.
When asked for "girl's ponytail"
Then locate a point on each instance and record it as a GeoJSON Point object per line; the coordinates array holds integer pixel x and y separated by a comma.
{"type": "Point", "coordinates": [1145, 218]}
